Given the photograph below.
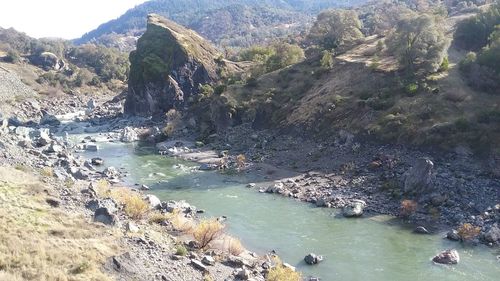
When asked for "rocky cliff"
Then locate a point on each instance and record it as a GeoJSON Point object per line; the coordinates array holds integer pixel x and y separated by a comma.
{"type": "Point", "coordinates": [168, 67]}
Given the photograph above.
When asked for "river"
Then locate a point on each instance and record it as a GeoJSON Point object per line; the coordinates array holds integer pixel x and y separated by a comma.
{"type": "Point", "coordinates": [373, 248]}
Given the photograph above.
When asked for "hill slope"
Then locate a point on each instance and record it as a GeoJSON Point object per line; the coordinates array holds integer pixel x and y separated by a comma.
{"type": "Point", "coordinates": [246, 21]}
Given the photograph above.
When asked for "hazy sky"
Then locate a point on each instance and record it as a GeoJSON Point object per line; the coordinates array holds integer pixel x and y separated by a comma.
{"type": "Point", "coordinates": [60, 18]}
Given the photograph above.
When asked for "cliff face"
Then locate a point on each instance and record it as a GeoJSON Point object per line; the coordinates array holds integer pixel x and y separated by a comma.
{"type": "Point", "coordinates": [168, 67]}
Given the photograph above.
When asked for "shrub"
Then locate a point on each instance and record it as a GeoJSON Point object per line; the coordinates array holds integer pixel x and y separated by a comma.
{"type": "Point", "coordinates": [47, 172]}
{"type": "Point", "coordinates": [411, 89]}
{"type": "Point", "coordinates": [180, 250]}
{"type": "Point", "coordinates": [235, 247]}
{"type": "Point", "coordinates": [283, 273]}
{"type": "Point", "coordinates": [445, 65]}
{"type": "Point", "coordinates": [240, 162]}
{"type": "Point", "coordinates": [157, 217]}
{"type": "Point", "coordinates": [207, 231]}
{"type": "Point", "coordinates": [135, 206]}
{"type": "Point", "coordinates": [327, 60]}
{"type": "Point", "coordinates": [408, 207]}
{"type": "Point", "coordinates": [181, 223]}
{"type": "Point", "coordinates": [468, 231]}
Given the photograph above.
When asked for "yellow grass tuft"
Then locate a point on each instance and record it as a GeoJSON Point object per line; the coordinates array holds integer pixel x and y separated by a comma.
{"type": "Point", "coordinates": [207, 231]}
{"type": "Point", "coordinates": [468, 231]}
{"type": "Point", "coordinates": [235, 247]}
{"type": "Point", "coordinates": [282, 273]}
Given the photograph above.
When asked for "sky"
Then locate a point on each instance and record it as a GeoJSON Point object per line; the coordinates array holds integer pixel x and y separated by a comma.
{"type": "Point", "coordinates": [68, 19]}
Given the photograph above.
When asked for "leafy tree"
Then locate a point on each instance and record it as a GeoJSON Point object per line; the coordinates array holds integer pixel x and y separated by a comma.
{"type": "Point", "coordinates": [284, 55]}
{"type": "Point", "coordinates": [327, 60]}
{"type": "Point", "coordinates": [490, 56]}
{"type": "Point", "coordinates": [474, 33]}
{"type": "Point", "coordinates": [336, 28]}
{"type": "Point", "coordinates": [419, 43]}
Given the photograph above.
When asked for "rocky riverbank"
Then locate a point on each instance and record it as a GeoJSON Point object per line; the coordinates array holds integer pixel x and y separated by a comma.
{"type": "Point", "coordinates": [151, 245]}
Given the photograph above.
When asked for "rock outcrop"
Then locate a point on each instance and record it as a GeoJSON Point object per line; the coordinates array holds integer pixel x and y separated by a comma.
{"type": "Point", "coordinates": [169, 66]}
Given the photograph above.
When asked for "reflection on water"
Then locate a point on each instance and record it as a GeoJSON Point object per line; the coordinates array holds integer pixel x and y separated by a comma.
{"type": "Point", "coordinates": [376, 248]}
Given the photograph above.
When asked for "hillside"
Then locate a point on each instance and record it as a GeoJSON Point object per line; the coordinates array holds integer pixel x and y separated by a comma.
{"type": "Point", "coordinates": [243, 22]}
{"type": "Point", "coordinates": [364, 93]}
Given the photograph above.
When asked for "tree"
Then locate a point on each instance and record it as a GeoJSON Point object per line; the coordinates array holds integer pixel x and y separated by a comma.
{"type": "Point", "coordinates": [336, 29]}
{"type": "Point", "coordinates": [284, 55]}
{"type": "Point", "coordinates": [327, 60]}
{"type": "Point", "coordinates": [474, 33]}
{"type": "Point", "coordinates": [419, 43]}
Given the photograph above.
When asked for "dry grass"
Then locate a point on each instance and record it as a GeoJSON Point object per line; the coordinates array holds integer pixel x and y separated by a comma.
{"type": "Point", "coordinates": [157, 217]}
{"type": "Point", "coordinates": [235, 247]}
{"type": "Point", "coordinates": [207, 231]}
{"type": "Point", "coordinates": [408, 208]}
{"type": "Point", "coordinates": [282, 273]}
{"type": "Point", "coordinates": [468, 231]}
{"type": "Point", "coordinates": [133, 203]}
{"type": "Point", "coordinates": [38, 243]}
{"type": "Point", "coordinates": [47, 172]}
{"type": "Point", "coordinates": [181, 223]}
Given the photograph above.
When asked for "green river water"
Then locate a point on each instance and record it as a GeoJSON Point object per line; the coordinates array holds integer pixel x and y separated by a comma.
{"type": "Point", "coordinates": [375, 248]}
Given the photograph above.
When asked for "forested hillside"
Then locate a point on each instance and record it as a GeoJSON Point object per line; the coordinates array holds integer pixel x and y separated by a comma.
{"type": "Point", "coordinates": [237, 22]}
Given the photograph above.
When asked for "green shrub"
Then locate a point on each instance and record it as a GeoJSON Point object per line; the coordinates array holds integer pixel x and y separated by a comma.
{"type": "Point", "coordinates": [180, 250]}
{"type": "Point", "coordinates": [411, 89]}
{"type": "Point", "coordinates": [445, 65]}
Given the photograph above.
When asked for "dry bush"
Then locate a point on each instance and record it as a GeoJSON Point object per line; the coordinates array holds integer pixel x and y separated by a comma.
{"type": "Point", "coordinates": [181, 223]}
{"type": "Point", "coordinates": [235, 247]}
{"type": "Point", "coordinates": [240, 162]}
{"type": "Point", "coordinates": [282, 273]}
{"type": "Point", "coordinates": [207, 231]}
{"type": "Point", "coordinates": [468, 231]}
{"type": "Point", "coordinates": [157, 217]}
{"type": "Point", "coordinates": [47, 172]}
{"type": "Point", "coordinates": [408, 207]}
{"type": "Point", "coordinates": [135, 206]}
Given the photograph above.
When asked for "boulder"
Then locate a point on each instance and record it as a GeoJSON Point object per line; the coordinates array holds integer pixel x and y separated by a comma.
{"type": "Point", "coordinates": [447, 257]}
{"type": "Point", "coordinates": [198, 265]}
{"type": "Point", "coordinates": [312, 259]}
{"type": "Point", "coordinates": [421, 230]}
{"type": "Point", "coordinates": [48, 61]}
{"type": "Point", "coordinates": [129, 135]}
{"type": "Point", "coordinates": [242, 274]}
{"type": "Point", "coordinates": [492, 235]}
{"type": "Point", "coordinates": [54, 148]}
{"type": "Point", "coordinates": [96, 161]}
{"type": "Point", "coordinates": [103, 215]}
{"type": "Point", "coordinates": [208, 260]}
{"type": "Point", "coordinates": [453, 235]}
{"type": "Point", "coordinates": [111, 172]}
{"type": "Point", "coordinates": [91, 147]}
{"type": "Point", "coordinates": [418, 179]}
{"type": "Point", "coordinates": [49, 119]}
{"type": "Point", "coordinates": [354, 209]}
{"type": "Point", "coordinates": [131, 227]}
{"type": "Point", "coordinates": [153, 201]}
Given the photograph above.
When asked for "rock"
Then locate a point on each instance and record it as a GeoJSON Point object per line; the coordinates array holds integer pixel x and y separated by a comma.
{"type": "Point", "coordinates": [54, 148]}
{"type": "Point", "coordinates": [91, 147]}
{"type": "Point", "coordinates": [155, 93]}
{"type": "Point", "coordinates": [492, 235]}
{"type": "Point", "coordinates": [55, 203]}
{"type": "Point", "coordinates": [251, 185]}
{"type": "Point", "coordinates": [208, 167]}
{"type": "Point", "coordinates": [96, 161]}
{"type": "Point", "coordinates": [144, 187]}
{"type": "Point", "coordinates": [111, 172]}
{"type": "Point", "coordinates": [153, 201]}
{"type": "Point", "coordinates": [421, 230]}
{"type": "Point", "coordinates": [447, 257]}
{"type": "Point", "coordinates": [198, 265]}
{"type": "Point", "coordinates": [129, 135]}
{"type": "Point", "coordinates": [418, 179]}
{"type": "Point", "coordinates": [289, 266]}
{"type": "Point", "coordinates": [354, 209]}
{"type": "Point", "coordinates": [242, 274]}
{"type": "Point", "coordinates": [132, 227]}
{"type": "Point", "coordinates": [107, 203]}
{"type": "Point", "coordinates": [208, 260]}
{"type": "Point", "coordinates": [453, 235]}
{"type": "Point", "coordinates": [49, 119]}
{"type": "Point", "coordinates": [47, 61]}
{"type": "Point", "coordinates": [103, 215]}
{"type": "Point", "coordinates": [312, 259]}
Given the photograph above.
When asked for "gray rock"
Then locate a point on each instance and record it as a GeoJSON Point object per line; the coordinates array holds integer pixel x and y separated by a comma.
{"type": "Point", "coordinates": [97, 161]}
{"type": "Point", "coordinates": [198, 265]}
{"type": "Point", "coordinates": [111, 172]}
{"type": "Point", "coordinates": [208, 167]}
{"type": "Point", "coordinates": [55, 203]}
{"type": "Point", "coordinates": [129, 135]}
{"type": "Point", "coordinates": [131, 227]}
{"type": "Point", "coordinates": [208, 260]}
{"type": "Point", "coordinates": [421, 230]}
{"type": "Point", "coordinates": [103, 215]}
{"type": "Point", "coordinates": [453, 235]}
{"type": "Point", "coordinates": [91, 147]}
{"type": "Point", "coordinates": [447, 257]}
{"type": "Point", "coordinates": [354, 209]}
{"type": "Point", "coordinates": [312, 259]}
{"type": "Point", "coordinates": [153, 201]}
{"type": "Point", "coordinates": [492, 235]}
{"type": "Point", "coordinates": [419, 178]}
{"type": "Point", "coordinates": [242, 274]}
{"type": "Point", "coordinates": [54, 148]}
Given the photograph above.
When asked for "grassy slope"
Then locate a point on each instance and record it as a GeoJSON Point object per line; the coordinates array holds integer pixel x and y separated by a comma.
{"type": "Point", "coordinates": [40, 243]}
{"type": "Point", "coordinates": [372, 101]}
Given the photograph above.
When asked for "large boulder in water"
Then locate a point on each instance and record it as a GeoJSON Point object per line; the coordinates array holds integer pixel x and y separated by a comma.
{"type": "Point", "coordinates": [354, 209]}
{"type": "Point", "coordinates": [168, 67]}
{"type": "Point", "coordinates": [447, 257]}
{"type": "Point", "coordinates": [419, 178]}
